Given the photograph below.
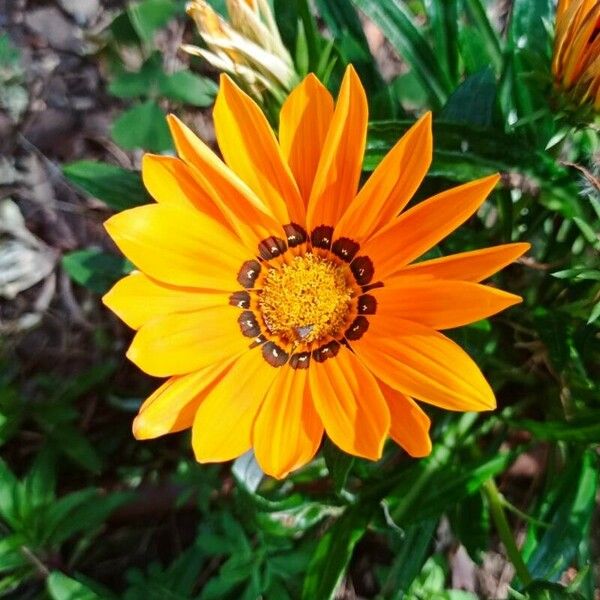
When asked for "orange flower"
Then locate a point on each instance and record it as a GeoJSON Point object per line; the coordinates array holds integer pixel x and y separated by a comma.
{"type": "Point", "coordinates": [282, 303]}
{"type": "Point", "coordinates": [576, 61]}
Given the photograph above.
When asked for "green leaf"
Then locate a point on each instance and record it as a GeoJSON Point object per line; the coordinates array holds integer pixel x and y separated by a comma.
{"type": "Point", "coordinates": [188, 88]}
{"type": "Point", "coordinates": [397, 24]}
{"type": "Point", "coordinates": [94, 269]}
{"type": "Point", "coordinates": [333, 553]}
{"type": "Point", "coordinates": [61, 587]}
{"type": "Point", "coordinates": [338, 464]}
{"type": "Point", "coordinates": [485, 37]}
{"type": "Point", "coordinates": [472, 103]}
{"type": "Point", "coordinates": [149, 15]}
{"type": "Point", "coordinates": [117, 187]}
{"type": "Point", "coordinates": [443, 18]}
{"type": "Point", "coordinates": [143, 126]}
{"type": "Point", "coordinates": [569, 517]}
{"type": "Point", "coordinates": [138, 84]}
{"type": "Point", "coordinates": [545, 590]}
{"type": "Point", "coordinates": [584, 430]}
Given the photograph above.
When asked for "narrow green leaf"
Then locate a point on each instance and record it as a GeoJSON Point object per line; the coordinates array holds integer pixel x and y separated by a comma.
{"type": "Point", "coordinates": [338, 464]}
{"type": "Point", "coordinates": [95, 269]}
{"type": "Point", "coordinates": [397, 24]}
{"type": "Point", "coordinates": [61, 587]}
{"type": "Point", "coordinates": [117, 187]}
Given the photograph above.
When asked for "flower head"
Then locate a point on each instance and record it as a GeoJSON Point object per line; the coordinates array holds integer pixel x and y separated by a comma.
{"type": "Point", "coordinates": [283, 302]}
{"type": "Point", "coordinates": [576, 60]}
{"type": "Point", "coordinates": [248, 47]}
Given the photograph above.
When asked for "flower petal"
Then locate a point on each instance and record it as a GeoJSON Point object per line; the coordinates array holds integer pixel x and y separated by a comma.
{"type": "Point", "coordinates": [173, 405]}
{"type": "Point", "coordinates": [439, 303]}
{"type": "Point", "coordinates": [475, 265]}
{"type": "Point", "coordinates": [170, 181]}
{"type": "Point", "coordinates": [420, 228]}
{"type": "Point", "coordinates": [178, 246]}
{"type": "Point", "coordinates": [181, 343]}
{"type": "Point", "coordinates": [410, 425]}
{"type": "Point", "coordinates": [250, 148]}
{"type": "Point", "coordinates": [248, 215]}
{"type": "Point", "coordinates": [350, 404]}
{"type": "Point", "coordinates": [420, 362]}
{"type": "Point", "coordinates": [392, 184]}
{"type": "Point", "coordinates": [287, 431]}
{"type": "Point", "coordinates": [303, 124]}
{"type": "Point", "coordinates": [222, 428]}
{"type": "Point", "coordinates": [137, 299]}
{"type": "Point", "coordinates": [340, 165]}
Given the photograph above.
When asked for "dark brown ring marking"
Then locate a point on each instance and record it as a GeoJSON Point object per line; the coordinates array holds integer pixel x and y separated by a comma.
{"type": "Point", "coordinates": [326, 351]}
{"type": "Point", "coordinates": [240, 299]}
{"type": "Point", "coordinates": [271, 247]}
{"type": "Point", "coordinates": [274, 355]}
{"type": "Point", "coordinates": [258, 340]}
{"type": "Point", "coordinates": [345, 248]}
{"type": "Point", "coordinates": [296, 234]}
{"type": "Point", "coordinates": [362, 269]}
{"type": "Point", "coordinates": [357, 329]}
{"type": "Point", "coordinates": [248, 273]}
{"type": "Point", "coordinates": [248, 324]}
{"type": "Point", "coordinates": [367, 305]}
{"type": "Point", "coordinates": [300, 360]}
{"type": "Point", "coordinates": [321, 237]}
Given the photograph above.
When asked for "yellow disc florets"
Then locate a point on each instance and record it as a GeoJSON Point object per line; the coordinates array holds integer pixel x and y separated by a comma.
{"type": "Point", "coordinates": [306, 299]}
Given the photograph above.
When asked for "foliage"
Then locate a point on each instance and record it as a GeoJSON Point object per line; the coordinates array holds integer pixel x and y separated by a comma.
{"type": "Point", "coordinates": [86, 512]}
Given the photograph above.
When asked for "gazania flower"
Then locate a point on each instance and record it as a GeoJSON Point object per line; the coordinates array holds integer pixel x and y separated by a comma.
{"type": "Point", "coordinates": [283, 304]}
{"type": "Point", "coordinates": [576, 61]}
{"type": "Point", "coordinates": [249, 48]}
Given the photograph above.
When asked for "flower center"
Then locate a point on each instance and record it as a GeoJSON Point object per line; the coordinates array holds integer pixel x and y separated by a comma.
{"type": "Point", "coordinates": [306, 299]}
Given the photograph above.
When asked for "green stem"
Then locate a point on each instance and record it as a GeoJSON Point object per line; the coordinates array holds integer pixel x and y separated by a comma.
{"type": "Point", "coordinates": [497, 511]}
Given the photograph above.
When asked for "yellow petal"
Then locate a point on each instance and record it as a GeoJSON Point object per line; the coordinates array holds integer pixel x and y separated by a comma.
{"type": "Point", "coordinates": [475, 265]}
{"type": "Point", "coordinates": [350, 404]}
{"type": "Point", "coordinates": [420, 228]}
{"type": "Point", "coordinates": [303, 124]}
{"type": "Point", "coordinates": [136, 299]}
{"type": "Point", "coordinates": [422, 363]}
{"type": "Point", "coordinates": [184, 342]}
{"type": "Point", "coordinates": [250, 148]}
{"type": "Point", "coordinates": [179, 246]}
{"type": "Point", "coordinates": [222, 428]}
{"type": "Point", "coordinates": [340, 165]}
{"type": "Point", "coordinates": [170, 181]}
{"type": "Point", "coordinates": [173, 405]}
{"type": "Point", "coordinates": [410, 425]}
{"type": "Point", "coordinates": [391, 185]}
{"type": "Point", "coordinates": [439, 303]}
{"type": "Point", "coordinates": [287, 431]}
{"type": "Point", "coordinates": [248, 215]}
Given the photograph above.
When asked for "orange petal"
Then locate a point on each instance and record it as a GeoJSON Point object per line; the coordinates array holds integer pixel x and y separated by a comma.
{"type": "Point", "coordinates": [181, 343]}
{"type": "Point", "coordinates": [410, 425]}
{"type": "Point", "coordinates": [136, 299]}
{"type": "Point", "coordinates": [173, 405]}
{"type": "Point", "coordinates": [223, 425]}
{"type": "Point", "coordinates": [420, 228]}
{"type": "Point", "coordinates": [439, 303]}
{"type": "Point", "coordinates": [420, 362]}
{"type": "Point", "coordinates": [468, 266]}
{"type": "Point", "coordinates": [250, 148]}
{"type": "Point", "coordinates": [170, 181]}
{"type": "Point", "coordinates": [340, 165]}
{"type": "Point", "coordinates": [248, 215]}
{"type": "Point", "coordinates": [350, 404]}
{"type": "Point", "coordinates": [178, 246]}
{"type": "Point", "coordinates": [303, 124]}
{"type": "Point", "coordinates": [391, 185]}
{"type": "Point", "coordinates": [287, 431]}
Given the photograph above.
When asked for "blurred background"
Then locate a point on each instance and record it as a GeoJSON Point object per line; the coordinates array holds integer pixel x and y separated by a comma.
{"type": "Point", "coordinates": [86, 512]}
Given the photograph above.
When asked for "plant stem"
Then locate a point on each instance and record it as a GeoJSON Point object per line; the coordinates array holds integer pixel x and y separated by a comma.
{"type": "Point", "coordinates": [497, 511]}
